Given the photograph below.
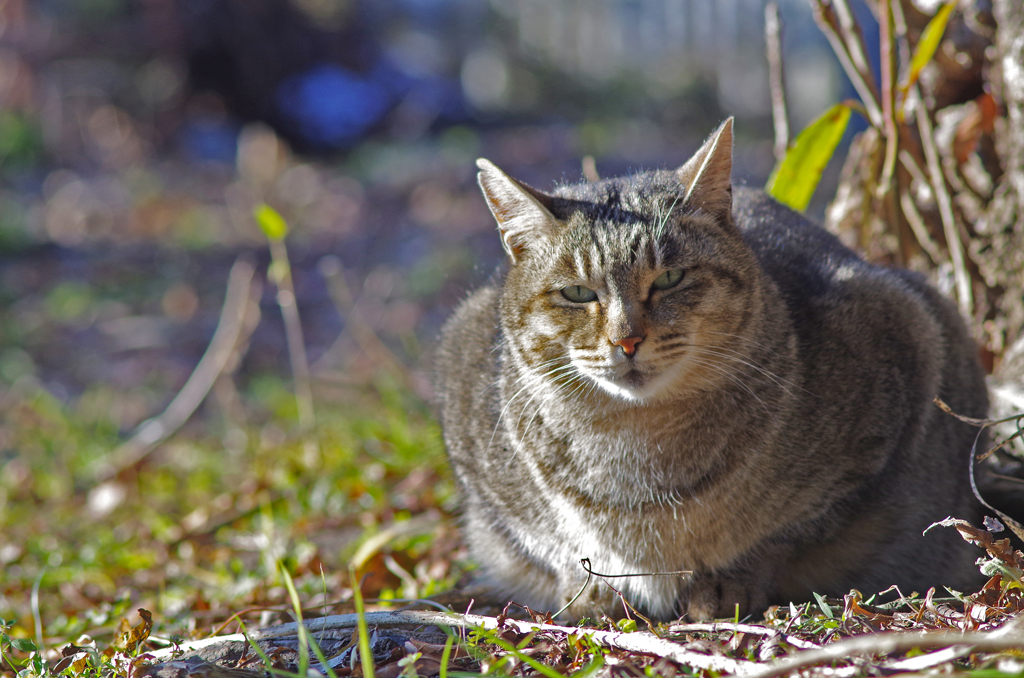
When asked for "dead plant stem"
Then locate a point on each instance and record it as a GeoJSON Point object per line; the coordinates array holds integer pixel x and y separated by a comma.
{"type": "Point", "coordinates": [938, 183]}
{"type": "Point", "coordinates": [231, 332]}
{"type": "Point", "coordinates": [776, 77]}
{"type": "Point", "coordinates": [293, 334]}
{"type": "Point", "coordinates": [831, 26]}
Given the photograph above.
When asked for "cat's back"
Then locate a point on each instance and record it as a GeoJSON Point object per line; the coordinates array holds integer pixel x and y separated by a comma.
{"type": "Point", "coordinates": [836, 298]}
{"type": "Point", "coordinates": [851, 316]}
{"type": "Point", "coordinates": [800, 256]}
{"type": "Point", "coordinates": [876, 346]}
{"type": "Point", "coordinates": [465, 372]}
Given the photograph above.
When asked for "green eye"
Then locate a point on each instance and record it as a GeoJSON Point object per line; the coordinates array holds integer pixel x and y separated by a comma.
{"type": "Point", "coordinates": [668, 279]}
{"type": "Point", "coordinates": [579, 294]}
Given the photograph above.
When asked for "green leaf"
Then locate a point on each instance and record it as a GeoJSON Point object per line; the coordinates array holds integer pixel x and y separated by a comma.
{"type": "Point", "coordinates": [627, 625]}
{"type": "Point", "coordinates": [23, 644]}
{"type": "Point", "coordinates": [929, 42]}
{"type": "Point", "coordinates": [797, 175]}
{"type": "Point", "coordinates": [826, 609]}
{"type": "Point", "coordinates": [270, 220]}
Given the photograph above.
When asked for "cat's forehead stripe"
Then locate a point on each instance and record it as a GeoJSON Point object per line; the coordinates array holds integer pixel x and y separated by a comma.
{"type": "Point", "coordinates": [580, 260]}
{"type": "Point", "coordinates": [625, 246]}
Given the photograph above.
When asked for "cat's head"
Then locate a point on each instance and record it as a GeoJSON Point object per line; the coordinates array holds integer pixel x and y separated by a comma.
{"type": "Point", "coordinates": [636, 285]}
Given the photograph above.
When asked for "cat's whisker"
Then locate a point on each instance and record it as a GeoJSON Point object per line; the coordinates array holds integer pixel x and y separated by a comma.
{"type": "Point", "coordinates": [731, 376]}
{"type": "Point", "coordinates": [529, 377]}
{"type": "Point", "coordinates": [745, 339]}
{"type": "Point", "coordinates": [501, 415]}
{"type": "Point", "coordinates": [781, 382]}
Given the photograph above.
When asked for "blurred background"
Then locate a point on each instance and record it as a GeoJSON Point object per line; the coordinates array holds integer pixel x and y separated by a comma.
{"type": "Point", "coordinates": [137, 135]}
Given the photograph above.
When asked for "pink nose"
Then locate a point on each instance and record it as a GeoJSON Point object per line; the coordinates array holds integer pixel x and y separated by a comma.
{"type": "Point", "coordinates": [629, 344]}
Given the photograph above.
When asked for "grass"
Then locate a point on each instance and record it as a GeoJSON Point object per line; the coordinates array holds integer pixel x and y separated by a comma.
{"type": "Point", "coordinates": [236, 523]}
{"type": "Point", "coordinates": [196, 533]}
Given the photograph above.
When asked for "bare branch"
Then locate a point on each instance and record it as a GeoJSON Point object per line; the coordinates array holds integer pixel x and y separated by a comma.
{"type": "Point", "coordinates": [863, 82]}
{"type": "Point", "coordinates": [938, 182]}
{"type": "Point", "coordinates": [776, 77]}
{"type": "Point", "coordinates": [639, 641]}
{"type": "Point", "coordinates": [718, 627]}
{"type": "Point", "coordinates": [293, 333]}
{"type": "Point", "coordinates": [874, 644]}
{"type": "Point", "coordinates": [854, 40]}
{"type": "Point", "coordinates": [887, 43]}
{"type": "Point", "coordinates": [240, 297]}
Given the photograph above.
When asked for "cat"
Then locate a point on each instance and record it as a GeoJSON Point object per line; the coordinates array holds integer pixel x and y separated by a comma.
{"type": "Point", "coordinates": [669, 376]}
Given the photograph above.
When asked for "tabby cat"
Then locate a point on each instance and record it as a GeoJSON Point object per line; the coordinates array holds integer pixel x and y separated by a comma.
{"type": "Point", "coordinates": [669, 376]}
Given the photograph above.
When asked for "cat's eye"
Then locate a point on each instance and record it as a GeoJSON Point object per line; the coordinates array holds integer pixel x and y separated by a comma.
{"type": "Point", "coordinates": [579, 294]}
{"type": "Point", "coordinates": [667, 279]}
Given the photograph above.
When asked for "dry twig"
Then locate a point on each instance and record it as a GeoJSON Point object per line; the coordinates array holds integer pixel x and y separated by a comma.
{"type": "Point", "coordinates": [240, 300]}
{"type": "Point", "coordinates": [1008, 637]}
{"type": "Point", "coordinates": [293, 333]}
{"type": "Point", "coordinates": [639, 642]}
{"type": "Point", "coordinates": [718, 627]}
{"type": "Point", "coordinates": [776, 78]}
{"type": "Point", "coordinates": [844, 37]}
{"type": "Point", "coordinates": [964, 296]}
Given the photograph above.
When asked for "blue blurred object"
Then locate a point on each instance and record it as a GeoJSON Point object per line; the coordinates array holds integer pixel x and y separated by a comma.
{"type": "Point", "coordinates": [209, 138]}
{"type": "Point", "coordinates": [332, 106]}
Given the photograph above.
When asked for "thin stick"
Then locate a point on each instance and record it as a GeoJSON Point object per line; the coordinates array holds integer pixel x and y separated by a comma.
{"type": "Point", "coordinates": [854, 41]}
{"type": "Point", "coordinates": [825, 17]}
{"type": "Point", "coordinates": [718, 627]}
{"type": "Point", "coordinates": [293, 333]}
{"type": "Point", "coordinates": [887, 643]}
{"type": "Point", "coordinates": [776, 77]}
{"type": "Point", "coordinates": [638, 641]}
{"type": "Point", "coordinates": [238, 299]}
{"type": "Point", "coordinates": [887, 42]}
{"type": "Point", "coordinates": [942, 199]}
{"type": "Point", "coordinates": [920, 229]}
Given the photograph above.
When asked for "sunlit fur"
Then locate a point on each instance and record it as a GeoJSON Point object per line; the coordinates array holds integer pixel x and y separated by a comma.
{"type": "Point", "coordinates": [773, 433]}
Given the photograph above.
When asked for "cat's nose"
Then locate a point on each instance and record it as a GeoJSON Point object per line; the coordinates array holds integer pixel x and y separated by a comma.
{"type": "Point", "coordinates": [628, 344]}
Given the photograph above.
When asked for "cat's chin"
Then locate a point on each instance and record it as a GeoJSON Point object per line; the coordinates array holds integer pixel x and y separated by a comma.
{"type": "Point", "coordinates": [636, 386]}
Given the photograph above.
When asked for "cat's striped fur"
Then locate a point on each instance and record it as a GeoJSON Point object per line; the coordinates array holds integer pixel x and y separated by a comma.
{"type": "Point", "coordinates": [765, 421]}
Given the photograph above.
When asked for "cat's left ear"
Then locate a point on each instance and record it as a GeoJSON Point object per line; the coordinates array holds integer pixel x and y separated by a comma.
{"type": "Point", "coordinates": [707, 176]}
{"type": "Point", "coordinates": [522, 213]}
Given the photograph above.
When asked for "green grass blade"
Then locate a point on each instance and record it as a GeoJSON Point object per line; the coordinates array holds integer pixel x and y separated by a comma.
{"type": "Point", "coordinates": [270, 220]}
{"type": "Point", "coordinates": [365, 655]}
{"type": "Point", "coordinates": [543, 669]}
{"type": "Point", "coordinates": [796, 176]}
{"type": "Point", "coordinates": [267, 661]}
{"type": "Point", "coordinates": [303, 636]}
{"type": "Point", "coordinates": [446, 655]}
{"type": "Point", "coordinates": [306, 641]}
{"type": "Point", "coordinates": [929, 42]}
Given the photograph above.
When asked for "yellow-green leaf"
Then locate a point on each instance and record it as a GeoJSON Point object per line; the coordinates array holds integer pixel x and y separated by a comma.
{"type": "Point", "coordinates": [270, 220]}
{"type": "Point", "coordinates": [795, 177]}
{"type": "Point", "coordinates": [627, 625]}
{"type": "Point", "coordinates": [929, 42]}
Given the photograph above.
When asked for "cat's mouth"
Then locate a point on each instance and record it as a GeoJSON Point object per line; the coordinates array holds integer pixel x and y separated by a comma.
{"type": "Point", "coordinates": [627, 382]}
{"type": "Point", "coordinates": [634, 378]}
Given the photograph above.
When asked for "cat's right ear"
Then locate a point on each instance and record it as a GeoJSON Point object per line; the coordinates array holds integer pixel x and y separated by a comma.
{"type": "Point", "coordinates": [523, 216]}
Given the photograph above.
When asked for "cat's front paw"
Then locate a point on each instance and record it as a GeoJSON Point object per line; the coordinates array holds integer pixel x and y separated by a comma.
{"type": "Point", "coordinates": [724, 597]}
